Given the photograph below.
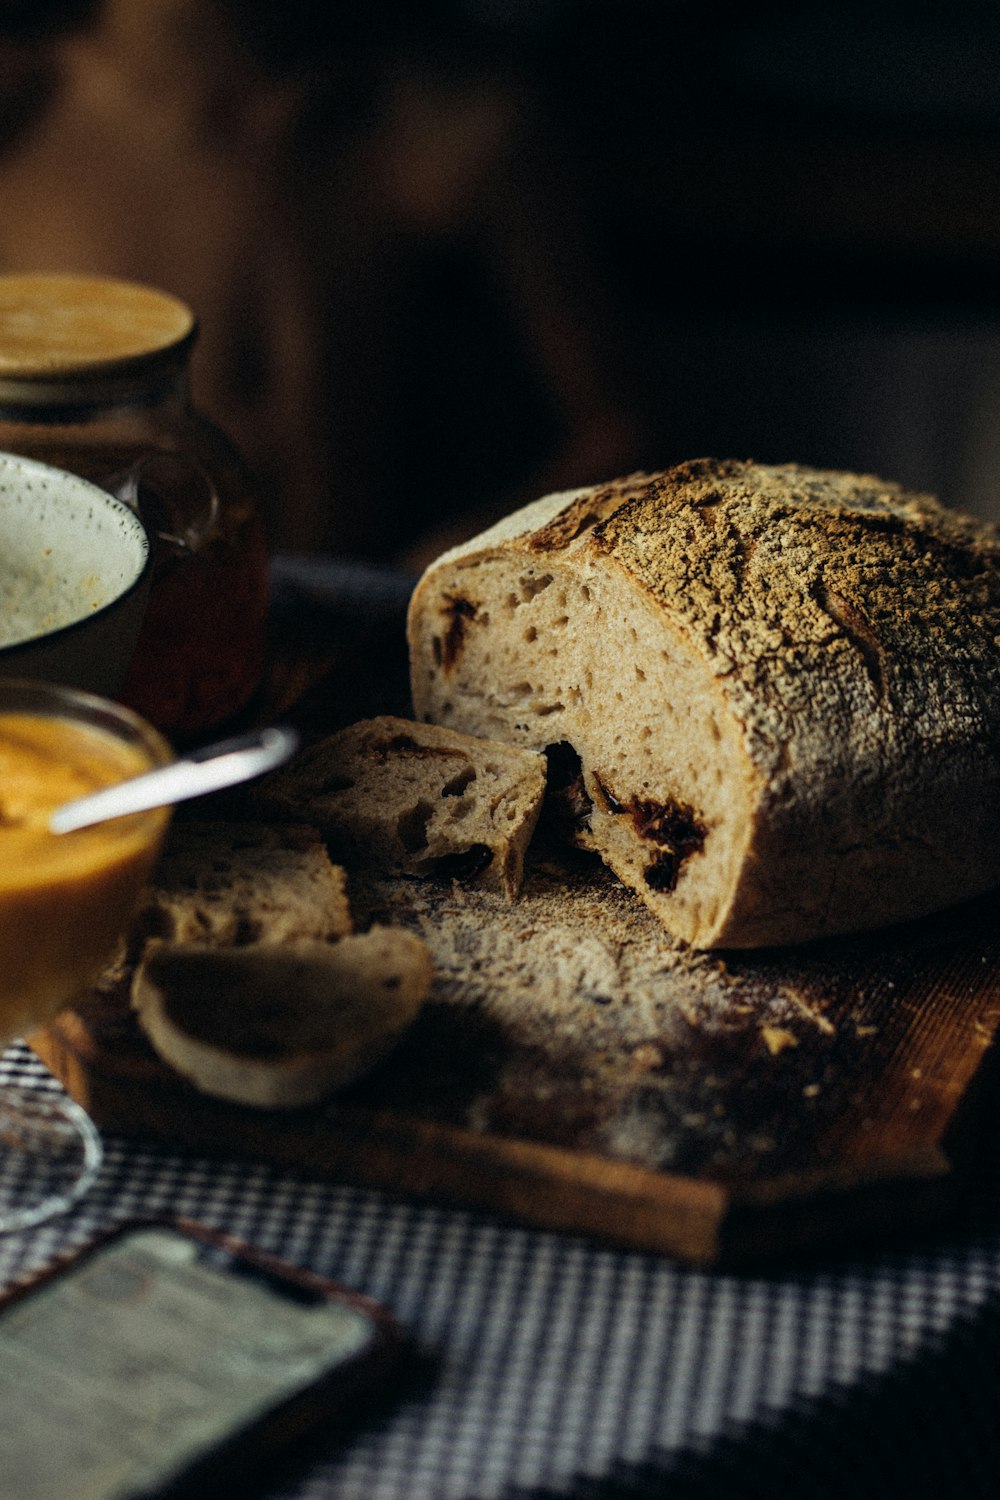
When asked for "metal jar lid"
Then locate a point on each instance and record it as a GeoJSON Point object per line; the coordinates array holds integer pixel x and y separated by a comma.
{"type": "Point", "coordinates": [87, 339]}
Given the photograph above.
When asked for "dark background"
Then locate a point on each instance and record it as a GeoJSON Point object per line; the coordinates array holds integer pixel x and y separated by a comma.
{"type": "Point", "coordinates": [446, 256]}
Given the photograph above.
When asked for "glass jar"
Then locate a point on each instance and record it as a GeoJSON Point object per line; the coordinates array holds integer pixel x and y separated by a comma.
{"type": "Point", "coordinates": [94, 379]}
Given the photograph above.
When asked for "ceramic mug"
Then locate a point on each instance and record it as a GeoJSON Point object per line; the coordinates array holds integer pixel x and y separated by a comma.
{"type": "Point", "coordinates": [75, 565]}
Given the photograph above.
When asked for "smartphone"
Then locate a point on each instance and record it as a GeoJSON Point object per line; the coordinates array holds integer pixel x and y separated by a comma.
{"type": "Point", "coordinates": [165, 1358]}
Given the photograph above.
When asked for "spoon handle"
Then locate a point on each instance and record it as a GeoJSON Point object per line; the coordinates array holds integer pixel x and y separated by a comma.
{"type": "Point", "coordinates": [208, 770]}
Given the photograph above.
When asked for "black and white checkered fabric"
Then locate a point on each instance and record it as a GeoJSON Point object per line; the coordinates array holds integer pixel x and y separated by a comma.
{"type": "Point", "coordinates": [543, 1365]}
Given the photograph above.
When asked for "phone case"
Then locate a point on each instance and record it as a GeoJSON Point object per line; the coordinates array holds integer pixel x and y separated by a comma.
{"type": "Point", "coordinates": [328, 1401]}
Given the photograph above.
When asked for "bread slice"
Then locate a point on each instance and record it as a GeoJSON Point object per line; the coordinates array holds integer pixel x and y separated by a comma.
{"type": "Point", "coordinates": [408, 798]}
{"type": "Point", "coordinates": [231, 884]}
{"type": "Point", "coordinates": [771, 694]}
{"type": "Point", "coordinates": [281, 1027]}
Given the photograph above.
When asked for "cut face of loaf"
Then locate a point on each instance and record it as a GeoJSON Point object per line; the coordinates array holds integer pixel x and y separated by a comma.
{"type": "Point", "coordinates": [409, 798]}
{"type": "Point", "coordinates": [770, 696]}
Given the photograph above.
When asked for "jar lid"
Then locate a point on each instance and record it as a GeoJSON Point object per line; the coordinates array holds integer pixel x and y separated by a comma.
{"type": "Point", "coordinates": [64, 337]}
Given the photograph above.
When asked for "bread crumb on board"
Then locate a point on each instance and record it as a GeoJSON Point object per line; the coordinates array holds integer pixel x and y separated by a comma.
{"type": "Point", "coordinates": [575, 1019]}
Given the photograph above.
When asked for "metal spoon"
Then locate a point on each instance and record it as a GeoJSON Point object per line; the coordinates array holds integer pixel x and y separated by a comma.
{"type": "Point", "coordinates": [223, 764]}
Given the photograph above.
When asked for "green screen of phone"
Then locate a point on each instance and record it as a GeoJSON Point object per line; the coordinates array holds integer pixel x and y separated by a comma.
{"type": "Point", "coordinates": [117, 1376]}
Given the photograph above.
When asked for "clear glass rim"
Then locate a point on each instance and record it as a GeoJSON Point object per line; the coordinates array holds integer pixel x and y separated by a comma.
{"type": "Point", "coordinates": [31, 1112]}
{"type": "Point", "coordinates": [57, 701]}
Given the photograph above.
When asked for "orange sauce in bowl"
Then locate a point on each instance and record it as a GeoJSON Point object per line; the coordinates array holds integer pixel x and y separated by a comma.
{"type": "Point", "coordinates": [65, 899]}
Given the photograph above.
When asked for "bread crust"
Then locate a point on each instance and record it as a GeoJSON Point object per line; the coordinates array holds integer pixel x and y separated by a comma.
{"type": "Point", "coordinates": [284, 1025]}
{"type": "Point", "coordinates": [841, 637]}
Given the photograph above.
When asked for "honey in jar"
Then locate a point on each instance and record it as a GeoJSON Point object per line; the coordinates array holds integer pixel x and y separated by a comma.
{"type": "Point", "coordinates": [94, 379]}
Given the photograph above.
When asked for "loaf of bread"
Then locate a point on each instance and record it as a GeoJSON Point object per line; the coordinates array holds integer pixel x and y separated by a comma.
{"type": "Point", "coordinates": [228, 884]}
{"type": "Point", "coordinates": [770, 696]}
{"type": "Point", "coordinates": [408, 798]}
{"type": "Point", "coordinates": [280, 1027]}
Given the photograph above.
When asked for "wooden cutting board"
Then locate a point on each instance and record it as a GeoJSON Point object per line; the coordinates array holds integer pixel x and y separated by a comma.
{"type": "Point", "coordinates": [576, 1070]}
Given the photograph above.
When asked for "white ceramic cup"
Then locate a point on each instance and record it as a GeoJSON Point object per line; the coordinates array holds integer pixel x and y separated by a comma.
{"type": "Point", "coordinates": [75, 567]}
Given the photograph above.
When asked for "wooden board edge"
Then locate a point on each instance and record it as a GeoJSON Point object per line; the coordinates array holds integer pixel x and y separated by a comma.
{"type": "Point", "coordinates": [698, 1222]}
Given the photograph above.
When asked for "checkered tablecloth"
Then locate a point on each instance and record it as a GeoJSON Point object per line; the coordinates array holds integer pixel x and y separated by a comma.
{"type": "Point", "coordinates": [543, 1365]}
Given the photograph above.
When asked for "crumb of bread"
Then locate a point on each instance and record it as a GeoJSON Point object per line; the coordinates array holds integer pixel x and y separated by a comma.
{"type": "Point", "coordinates": [407, 798]}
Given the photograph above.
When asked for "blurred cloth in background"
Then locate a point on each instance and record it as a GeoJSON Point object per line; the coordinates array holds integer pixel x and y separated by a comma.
{"type": "Point", "coordinates": [448, 256]}
{"type": "Point", "coordinates": [400, 319]}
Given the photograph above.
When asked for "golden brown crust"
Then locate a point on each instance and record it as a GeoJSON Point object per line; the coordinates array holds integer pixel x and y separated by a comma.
{"type": "Point", "coordinates": [853, 628]}
{"type": "Point", "coordinates": [795, 568]}
{"type": "Point", "coordinates": [585, 511]}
